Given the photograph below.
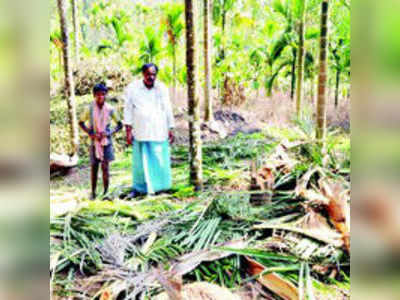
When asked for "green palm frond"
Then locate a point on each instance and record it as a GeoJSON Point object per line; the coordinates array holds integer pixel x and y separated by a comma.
{"type": "Point", "coordinates": [150, 46]}
{"type": "Point", "coordinates": [269, 83]}
{"type": "Point", "coordinates": [298, 7]}
{"type": "Point", "coordinates": [279, 46]}
{"type": "Point", "coordinates": [280, 8]}
{"type": "Point", "coordinates": [174, 20]}
{"type": "Point", "coordinates": [312, 33]}
{"type": "Point", "coordinates": [261, 254]}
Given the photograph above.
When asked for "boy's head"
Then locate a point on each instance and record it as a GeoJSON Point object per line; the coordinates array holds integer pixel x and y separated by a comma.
{"type": "Point", "coordinates": [99, 93]}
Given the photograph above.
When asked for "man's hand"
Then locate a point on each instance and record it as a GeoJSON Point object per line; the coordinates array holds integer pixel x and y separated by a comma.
{"type": "Point", "coordinates": [171, 137]}
{"type": "Point", "coordinates": [129, 136]}
{"type": "Point", "coordinates": [87, 130]}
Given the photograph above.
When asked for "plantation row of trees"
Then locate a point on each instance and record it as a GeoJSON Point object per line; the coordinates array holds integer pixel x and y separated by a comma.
{"type": "Point", "coordinates": [270, 37]}
{"type": "Point", "coordinates": [229, 45]}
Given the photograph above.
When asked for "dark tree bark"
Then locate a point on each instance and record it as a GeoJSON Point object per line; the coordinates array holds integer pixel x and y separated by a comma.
{"type": "Point", "coordinates": [300, 62]}
{"type": "Point", "coordinates": [196, 172]}
{"type": "Point", "coordinates": [75, 19]}
{"type": "Point", "coordinates": [207, 66]}
{"type": "Point", "coordinates": [337, 87]}
{"type": "Point", "coordinates": [322, 76]}
{"type": "Point", "coordinates": [293, 74]}
{"type": "Point", "coordinates": [68, 80]}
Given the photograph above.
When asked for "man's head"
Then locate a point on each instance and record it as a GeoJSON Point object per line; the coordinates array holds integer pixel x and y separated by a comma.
{"type": "Point", "coordinates": [99, 93]}
{"type": "Point", "coordinates": [149, 72]}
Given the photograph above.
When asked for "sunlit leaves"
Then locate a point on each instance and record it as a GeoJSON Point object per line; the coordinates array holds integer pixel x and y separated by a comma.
{"type": "Point", "coordinates": [150, 47]}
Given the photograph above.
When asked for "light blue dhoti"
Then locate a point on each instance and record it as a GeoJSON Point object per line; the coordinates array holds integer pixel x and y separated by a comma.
{"type": "Point", "coordinates": [151, 167]}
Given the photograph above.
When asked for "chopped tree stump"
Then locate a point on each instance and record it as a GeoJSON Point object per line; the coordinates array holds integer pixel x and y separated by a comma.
{"type": "Point", "coordinates": [61, 164]}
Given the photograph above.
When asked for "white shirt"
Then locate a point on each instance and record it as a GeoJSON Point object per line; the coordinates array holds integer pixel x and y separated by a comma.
{"type": "Point", "coordinates": [148, 111]}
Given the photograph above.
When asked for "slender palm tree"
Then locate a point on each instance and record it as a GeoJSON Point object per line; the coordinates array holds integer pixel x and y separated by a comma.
{"type": "Point", "coordinates": [341, 58]}
{"type": "Point", "coordinates": [196, 172]}
{"type": "Point", "coordinates": [276, 49]}
{"type": "Point", "coordinates": [68, 80]}
{"type": "Point", "coordinates": [75, 20]}
{"type": "Point", "coordinates": [322, 76]}
{"type": "Point", "coordinates": [221, 8]}
{"type": "Point", "coordinates": [338, 72]}
{"type": "Point", "coordinates": [207, 66]}
{"type": "Point", "coordinates": [293, 73]}
{"type": "Point", "coordinates": [300, 59]}
{"type": "Point", "coordinates": [174, 30]}
{"type": "Point", "coordinates": [150, 46]}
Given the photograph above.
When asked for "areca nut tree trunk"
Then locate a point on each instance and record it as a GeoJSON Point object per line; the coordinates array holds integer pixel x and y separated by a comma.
{"type": "Point", "coordinates": [174, 30]}
{"type": "Point", "coordinates": [322, 75]}
{"type": "Point", "coordinates": [195, 147]}
{"type": "Point", "coordinates": [338, 69]}
{"type": "Point", "coordinates": [337, 84]}
{"type": "Point", "coordinates": [173, 72]}
{"type": "Point", "coordinates": [208, 116]}
{"type": "Point", "coordinates": [68, 80]}
{"type": "Point", "coordinates": [293, 73]}
{"type": "Point", "coordinates": [75, 20]}
{"type": "Point", "coordinates": [300, 59]}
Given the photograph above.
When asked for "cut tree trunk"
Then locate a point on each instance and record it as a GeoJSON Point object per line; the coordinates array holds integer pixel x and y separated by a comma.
{"type": "Point", "coordinates": [300, 61]}
{"type": "Point", "coordinates": [61, 164]}
{"type": "Point", "coordinates": [261, 182]}
{"type": "Point", "coordinates": [322, 76]}
{"type": "Point", "coordinates": [273, 281]}
{"type": "Point", "coordinates": [196, 172]}
{"type": "Point", "coordinates": [207, 66]}
{"type": "Point", "coordinates": [68, 80]}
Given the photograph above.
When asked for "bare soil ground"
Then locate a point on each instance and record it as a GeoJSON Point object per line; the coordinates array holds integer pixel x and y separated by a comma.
{"type": "Point", "coordinates": [256, 114]}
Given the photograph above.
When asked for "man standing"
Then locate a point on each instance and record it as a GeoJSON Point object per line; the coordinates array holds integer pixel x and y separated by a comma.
{"type": "Point", "coordinates": [149, 121]}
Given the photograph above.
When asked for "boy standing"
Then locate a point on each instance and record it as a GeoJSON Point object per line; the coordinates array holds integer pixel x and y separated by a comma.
{"type": "Point", "coordinates": [99, 115]}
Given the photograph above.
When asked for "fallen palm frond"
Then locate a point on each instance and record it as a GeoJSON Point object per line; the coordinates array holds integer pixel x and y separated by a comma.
{"type": "Point", "coordinates": [122, 278]}
{"type": "Point", "coordinates": [190, 261]}
{"type": "Point", "coordinates": [284, 288]}
{"type": "Point", "coordinates": [338, 209]}
{"type": "Point", "coordinates": [201, 291]}
{"type": "Point", "coordinates": [313, 226]}
{"type": "Point", "coordinates": [119, 251]}
{"type": "Point", "coordinates": [61, 163]}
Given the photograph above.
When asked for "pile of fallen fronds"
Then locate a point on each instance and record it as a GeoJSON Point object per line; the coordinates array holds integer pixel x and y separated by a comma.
{"type": "Point", "coordinates": [294, 245]}
{"type": "Point", "coordinates": [127, 249]}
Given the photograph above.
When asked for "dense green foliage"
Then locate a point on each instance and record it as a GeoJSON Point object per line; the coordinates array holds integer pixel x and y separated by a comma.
{"type": "Point", "coordinates": [261, 35]}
